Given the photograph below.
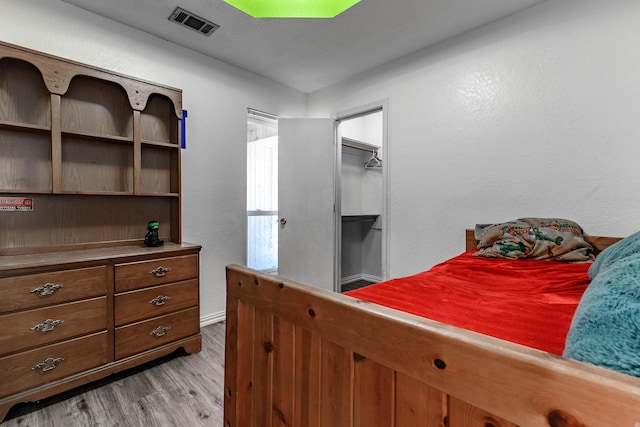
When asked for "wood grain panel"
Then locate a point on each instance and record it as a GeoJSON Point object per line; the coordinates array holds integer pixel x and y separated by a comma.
{"type": "Point", "coordinates": [56, 143]}
{"type": "Point", "coordinates": [26, 162]}
{"type": "Point", "coordinates": [138, 275]}
{"type": "Point", "coordinates": [462, 414]}
{"type": "Point", "coordinates": [600, 243]}
{"type": "Point", "coordinates": [336, 401]}
{"type": "Point", "coordinates": [78, 355]}
{"type": "Point", "coordinates": [93, 166]}
{"type": "Point", "coordinates": [73, 319]}
{"type": "Point", "coordinates": [373, 396]}
{"type": "Point", "coordinates": [157, 170]}
{"type": "Point", "coordinates": [263, 369]}
{"type": "Point", "coordinates": [231, 376]}
{"type": "Point", "coordinates": [83, 219]}
{"type": "Point", "coordinates": [283, 373]}
{"type": "Point", "coordinates": [137, 154]}
{"type": "Point", "coordinates": [137, 305]}
{"type": "Point", "coordinates": [76, 284]}
{"type": "Point", "coordinates": [85, 103]}
{"type": "Point", "coordinates": [24, 97]}
{"type": "Point", "coordinates": [307, 379]}
{"type": "Point", "coordinates": [244, 389]}
{"type": "Point", "coordinates": [419, 405]}
{"type": "Point", "coordinates": [156, 119]}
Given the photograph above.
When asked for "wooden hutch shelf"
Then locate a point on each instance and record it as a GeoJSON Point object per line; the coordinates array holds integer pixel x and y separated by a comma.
{"type": "Point", "coordinates": [87, 158]}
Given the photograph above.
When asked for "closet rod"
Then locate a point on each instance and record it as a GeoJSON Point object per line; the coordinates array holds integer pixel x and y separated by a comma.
{"type": "Point", "coordinates": [368, 150]}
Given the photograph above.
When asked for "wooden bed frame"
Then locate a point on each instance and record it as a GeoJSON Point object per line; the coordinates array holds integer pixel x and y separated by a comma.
{"type": "Point", "coordinates": [297, 355]}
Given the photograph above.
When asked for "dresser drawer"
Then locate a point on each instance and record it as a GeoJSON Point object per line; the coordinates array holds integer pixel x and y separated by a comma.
{"type": "Point", "coordinates": [136, 275]}
{"type": "Point", "coordinates": [141, 336]}
{"type": "Point", "coordinates": [55, 287]}
{"type": "Point", "coordinates": [33, 368]}
{"type": "Point", "coordinates": [155, 301]}
{"type": "Point", "coordinates": [42, 326]}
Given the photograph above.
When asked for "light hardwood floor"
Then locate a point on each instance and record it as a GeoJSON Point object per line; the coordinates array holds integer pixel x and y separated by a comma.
{"type": "Point", "coordinates": [174, 391]}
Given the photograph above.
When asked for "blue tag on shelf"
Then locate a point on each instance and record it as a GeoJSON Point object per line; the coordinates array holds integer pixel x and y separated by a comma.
{"type": "Point", "coordinates": [183, 130]}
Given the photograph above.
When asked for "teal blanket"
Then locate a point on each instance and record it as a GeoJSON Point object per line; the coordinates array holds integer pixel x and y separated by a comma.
{"type": "Point", "coordinates": [622, 249]}
{"type": "Point", "coordinates": [606, 327]}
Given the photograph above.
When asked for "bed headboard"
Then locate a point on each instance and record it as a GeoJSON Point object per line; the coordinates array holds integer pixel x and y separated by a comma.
{"type": "Point", "coordinates": [598, 242]}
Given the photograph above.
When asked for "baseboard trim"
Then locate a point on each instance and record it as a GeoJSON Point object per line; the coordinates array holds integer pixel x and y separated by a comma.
{"type": "Point", "coordinates": [356, 277]}
{"type": "Point", "coordinates": [213, 318]}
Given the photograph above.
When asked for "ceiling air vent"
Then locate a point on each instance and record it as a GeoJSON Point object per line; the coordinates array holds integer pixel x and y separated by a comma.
{"type": "Point", "coordinates": [193, 22]}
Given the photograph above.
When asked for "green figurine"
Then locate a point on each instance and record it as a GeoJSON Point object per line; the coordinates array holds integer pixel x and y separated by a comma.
{"type": "Point", "coordinates": [151, 239]}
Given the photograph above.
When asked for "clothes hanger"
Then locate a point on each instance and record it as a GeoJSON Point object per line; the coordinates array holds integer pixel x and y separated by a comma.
{"type": "Point", "coordinates": [374, 161]}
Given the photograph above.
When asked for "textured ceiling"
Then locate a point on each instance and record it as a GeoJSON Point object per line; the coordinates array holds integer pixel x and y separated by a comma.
{"type": "Point", "coordinates": [309, 54]}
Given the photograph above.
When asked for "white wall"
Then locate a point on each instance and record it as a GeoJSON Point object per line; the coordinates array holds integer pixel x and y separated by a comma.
{"type": "Point", "coordinates": [537, 114]}
{"type": "Point", "coordinates": [367, 128]}
{"type": "Point", "coordinates": [215, 94]}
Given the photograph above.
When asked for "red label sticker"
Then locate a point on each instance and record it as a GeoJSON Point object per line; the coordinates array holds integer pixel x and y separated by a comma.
{"type": "Point", "coordinates": [16, 204]}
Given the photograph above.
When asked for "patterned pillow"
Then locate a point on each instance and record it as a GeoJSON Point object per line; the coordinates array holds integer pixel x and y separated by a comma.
{"type": "Point", "coordinates": [533, 238]}
{"type": "Point", "coordinates": [504, 240]}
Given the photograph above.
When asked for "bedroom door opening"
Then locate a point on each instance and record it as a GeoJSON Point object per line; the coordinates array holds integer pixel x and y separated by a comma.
{"type": "Point", "coordinates": [262, 191]}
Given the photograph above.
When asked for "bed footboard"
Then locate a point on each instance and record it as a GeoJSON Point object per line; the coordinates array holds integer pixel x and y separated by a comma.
{"type": "Point", "coordinates": [297, 355]}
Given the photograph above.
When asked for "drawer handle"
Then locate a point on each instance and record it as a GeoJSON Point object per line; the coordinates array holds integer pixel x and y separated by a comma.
{"type": "Point", "coordinates": [160, 300]}
{"type": "Point", "coordinates": [160, 271]}
{"type": "Point", "coordinates": [47, 289]}
{"type": "Point", "coordinates": [47, 325]}
{"type": "Point", "coordinates": [48, 364]}
{"type": "Point", "coordinates": [160, 331]}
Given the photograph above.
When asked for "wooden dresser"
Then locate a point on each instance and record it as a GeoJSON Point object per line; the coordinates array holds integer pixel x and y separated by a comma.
{"type": "Point", "coordinates": [75, 316]}
{"type": "Point", "coordinates": [87, 158]}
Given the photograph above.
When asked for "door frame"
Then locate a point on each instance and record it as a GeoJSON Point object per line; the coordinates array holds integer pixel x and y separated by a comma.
{"type": "Point", "coordinates": [352, 113]}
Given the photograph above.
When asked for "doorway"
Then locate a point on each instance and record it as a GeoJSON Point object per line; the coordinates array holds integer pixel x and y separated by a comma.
{"type": "Point", "coordinates": [262, 191]}
{"type": "Point", "coordinates": [362, 195]}
{"type": "Point", "coordinates": [314, 206]}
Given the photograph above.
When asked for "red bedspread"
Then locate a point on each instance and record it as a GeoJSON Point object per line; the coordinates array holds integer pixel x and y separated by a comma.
{"type": "Point", "coordinates": [529, 302]}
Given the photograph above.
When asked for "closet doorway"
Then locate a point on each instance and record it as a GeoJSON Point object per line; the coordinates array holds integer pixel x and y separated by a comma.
{"type": "Point", "coordinates": [362, 198]}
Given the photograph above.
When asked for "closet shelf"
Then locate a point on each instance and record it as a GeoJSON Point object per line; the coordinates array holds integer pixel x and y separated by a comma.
{"type": "Point", "coordinates": [359, 145]}
{"type": "Point", "coordinates": [359, 217]}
